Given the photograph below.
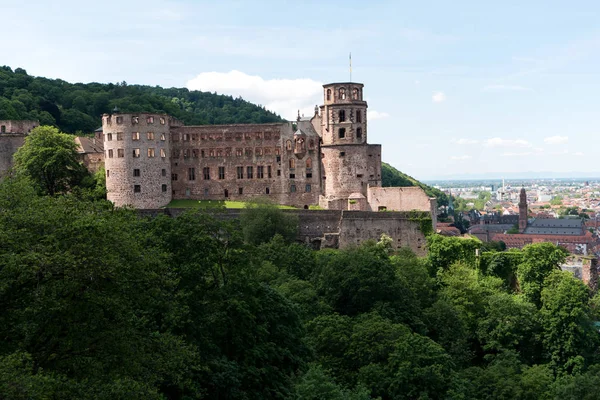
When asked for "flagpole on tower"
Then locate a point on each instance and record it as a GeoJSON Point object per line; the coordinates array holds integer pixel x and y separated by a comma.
{"type": "Point", "coordinates": [350, 67]}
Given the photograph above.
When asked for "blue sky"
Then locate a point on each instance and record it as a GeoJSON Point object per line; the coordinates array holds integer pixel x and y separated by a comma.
{"type": "Point", "coordinates": [454, 88]}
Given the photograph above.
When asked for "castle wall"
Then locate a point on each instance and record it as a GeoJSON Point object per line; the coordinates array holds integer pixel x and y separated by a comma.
{"type": "Point", "coordinates": [231, 153]}
{"type": "Point", "coordinates": [12, 136]}
{"type": "Point", "coordinates": [341, 229]}
{"type": "Point", "coordinates": [9, 143]}
{"type": "Point", "coordinates": [138, 168]}
{"type": "Point", "coordinates": [359, 226]}
{"type": "Point", "coordinates": [402, 199]}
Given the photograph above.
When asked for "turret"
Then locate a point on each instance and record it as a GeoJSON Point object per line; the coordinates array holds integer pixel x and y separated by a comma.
{"type": "Point", "coordinates": [137, 159]}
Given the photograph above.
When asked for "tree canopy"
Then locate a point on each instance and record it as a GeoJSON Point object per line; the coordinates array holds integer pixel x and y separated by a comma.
{"type": "Point", "coordinates": [78, 107]}
{"type": "Point", "coordinates": [99, 302]}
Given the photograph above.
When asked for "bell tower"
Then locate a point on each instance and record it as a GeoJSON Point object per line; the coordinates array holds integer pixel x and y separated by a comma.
{"type": "Point", "coordinates": [344, 114]}
{"type": "Point", "coordinates": [522, 211]}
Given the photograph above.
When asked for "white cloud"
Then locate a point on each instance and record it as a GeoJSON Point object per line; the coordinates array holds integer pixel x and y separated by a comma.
{"type": "Point", "coordinates": [518, 154]}
{"type": "Point", "coordinates": [283, 96]}
{"type": "Point", "coordinates": [460, 158]}
{"type": "Point", "coordinates": [506, 88]}
{"type": "Point", "coordinates": [376, 115]}
{"type": "Point", "coordinates": [556, 139]}
{"type": "Point", "coordinates": [438, 97]}
{"type": "Point", "coordinates": [465, 141]}
{"type": "Point", "coordinates": [499, 142]}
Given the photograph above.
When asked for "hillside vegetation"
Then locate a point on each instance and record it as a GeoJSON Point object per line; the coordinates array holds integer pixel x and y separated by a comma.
{"type": "Point", "coordinates": [98, 303]}
{"type": "Point", "coordinates": [77, 107]}
{"type": "Point", "coordinates": [391, 177]}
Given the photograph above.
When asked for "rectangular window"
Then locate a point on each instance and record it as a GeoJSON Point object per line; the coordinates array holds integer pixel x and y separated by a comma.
{"type": "Point", "coordinates": [119, 135]}
{"type": "Point", "coordinates": [238, 152]}
{"type": "Point", "coordinates": [342, 115]}
{"type": "Point", "coordinates": [162, 153]}
{"type": "Point", "coordinates": [136, 153]}
{"type": "Point", "coordinates": [164, 188]}
{"type": "Point", "coordinates": [240, 172]}
{"type": "Point", "coordinates": [206, 173]}
{"type": "Point", "coordinates": [278, 172]}
{"type": "Point", "coordinates": [292, 176]}
{"type": "Point", "coordinates": [186, 153]}
{"type": "Point", "coordinates": [108, 137]}
{"type": "Point", "coordinates": [260, 172]}
{"type": "Point", "coordinates": [293, 188]}
{"type": "Point", "coordinates": [149, 120]}
{"type": "Point", "coordinates": [309, 174]}
{"type": "Point", "coordinates": [307, 189]}
{"type": "Point", "coordinates": [173, 177]}
{"type": "Point", "coordinates": [163, 137]}
{"type": "Point", "coordinates": [240, 190]}
{"type": "Point", "coordinates": [150, 135]}
{"type": "Point", "coordinates": [249, 173]}
{"type": "Point", "coordinates": [278, 158]}
{"type": "Point", "coordinates": [269, 171]}
{"type": "Point", "coordinates": [136, 172]}
{"type": "Point", "coordinates": [135, 136]}
{"type": "Point", "coordinates": [107, 173]}
{"type": "Point", "coordinates": [358, 116]}
{"type": "Point", "coordinates": [120, 153]}
{"type": "Point", "coordinates": [137, 188]}
{"type": "Point", "coordinates": [150, 152]}
{"type": "Point", "coordinates": [195, 153]}
{"type": "Point", "coordinates": [110, 153]}
{"type": "Point", "coordinates": [342, 133]}
{"type": "Point", "coordinates": [163, 172]}
{"type": "Point", "coordinates": [135, 120]}
{"type": "Point", "coordinates": [221, 172]}
{"type": "Point", "coordinates": [162, 120]}
{"type": "Point", "coordinates": [119, 120]}
{"type": "Point", "coordinates": [191, 174]}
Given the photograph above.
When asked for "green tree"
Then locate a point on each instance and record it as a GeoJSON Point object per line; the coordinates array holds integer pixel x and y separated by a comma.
{"type": "Point", "coordinates": [568, 334]}
{"type": "Point", "coordinates": [262, 220]}
{"type": "Point", "coordinates": [539, 260]}
{"type": "Point", "coordinates": [49, 159]}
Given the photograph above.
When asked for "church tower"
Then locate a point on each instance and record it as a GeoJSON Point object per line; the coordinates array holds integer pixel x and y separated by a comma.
{"type": "Point", "coordinates": [522, 211]}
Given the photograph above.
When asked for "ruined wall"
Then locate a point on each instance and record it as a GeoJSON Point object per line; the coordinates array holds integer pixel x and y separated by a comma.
{"type": "Point", "coordinates": [12, 136]}
{"type": "Point", "coordinates": [14, 126]}
{"type": "Point", "coordinates": [340, 229]}
{"type": "Point", "coordinates": [9, 143]}
{"type": "Point", "coordinates": [402, 199]}
{"type": "Point", "coordinates": [359, 226]}
{"type": "Point", "coordinates": [238, 162]}
{"type": "Point", "coordinates": [138, 168]}
{"type": "Point", "coordinates": [584, 268]}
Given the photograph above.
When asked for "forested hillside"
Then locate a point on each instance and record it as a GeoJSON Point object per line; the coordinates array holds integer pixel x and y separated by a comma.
{"type": "Point", "coordinates": [390, 177]}
{"type": "Point", "coordinates": [74, 107]}
{"type": "Point", "coordinates": [98, 303]}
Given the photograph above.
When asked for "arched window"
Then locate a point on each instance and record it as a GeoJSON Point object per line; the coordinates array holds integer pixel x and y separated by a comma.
{"type": "Point", "coordinates": [355, 94]}
{"type": "Point", "coordinates": [288, 145]}
{"type": "Point", "coordinates": [292, 163]}
{"type": "Point", "coordinates": [342, 94]}
{"type": "Point", "coordinates": [300, 145]}
{"type": "Point", "coordinates": [309, 162]}
{"type": "Point", "coordinates": [328, 94]}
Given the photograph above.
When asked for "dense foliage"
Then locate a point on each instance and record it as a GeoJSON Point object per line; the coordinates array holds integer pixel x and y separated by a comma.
{"type": "Point", "coordinates": [99, 303]}
{"type": "Point", "coordinates": [391, 177]}
{"type": "Point", "coordinates": [77, 107]}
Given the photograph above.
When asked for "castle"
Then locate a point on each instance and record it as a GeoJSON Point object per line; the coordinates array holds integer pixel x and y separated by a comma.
{"type": "Point", "coordinates": [325, 160]}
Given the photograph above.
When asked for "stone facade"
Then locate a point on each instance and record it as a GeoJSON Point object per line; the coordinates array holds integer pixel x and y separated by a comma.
{"type": "Point", "coordinates": [12, 136]}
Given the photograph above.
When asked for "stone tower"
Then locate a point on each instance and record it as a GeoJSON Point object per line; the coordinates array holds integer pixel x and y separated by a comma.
{"type": "Point", "coordinates": [522, 211]}
{"type": "Point", "coordinates": [349, 164]}
{"type": "Point", "coordinates": [137, 159]}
